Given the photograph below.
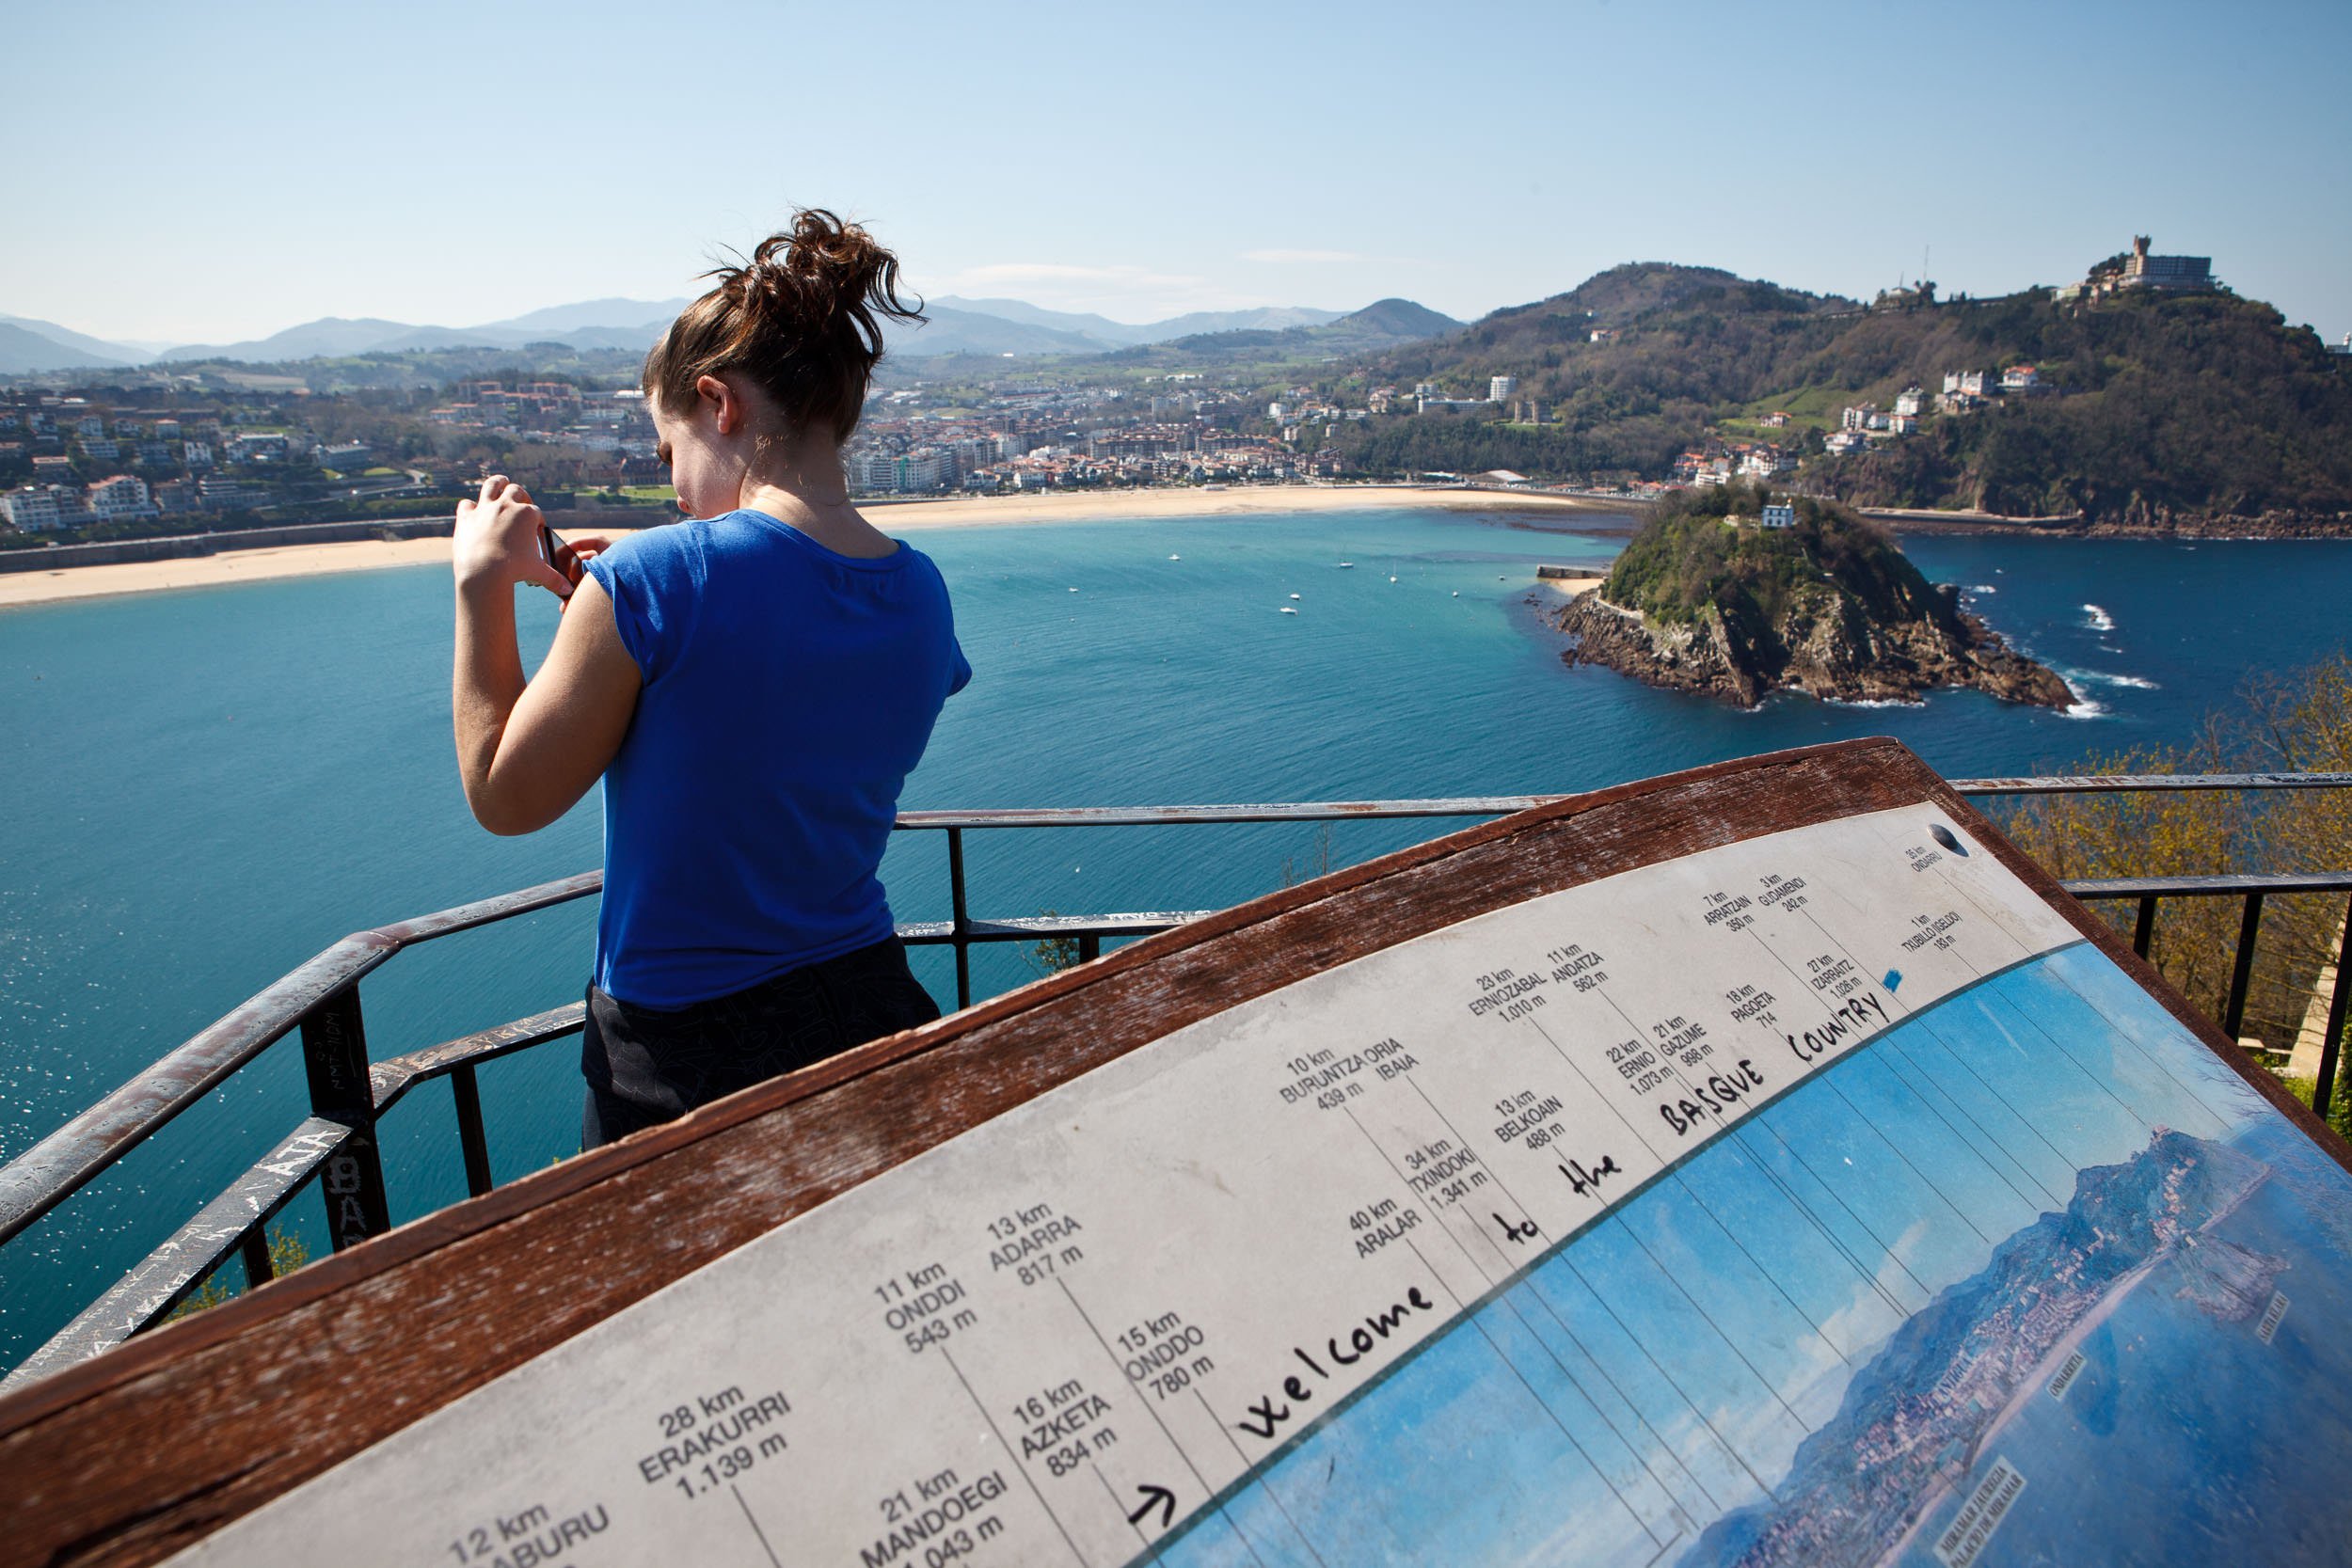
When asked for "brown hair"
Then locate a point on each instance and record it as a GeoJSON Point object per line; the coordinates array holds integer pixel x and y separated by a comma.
{"type": "Point", "coordinates": [799, 319]}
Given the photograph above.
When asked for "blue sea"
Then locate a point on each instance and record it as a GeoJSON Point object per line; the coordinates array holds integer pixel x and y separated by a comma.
{"type": "Point", "coordinates": [206, 787]}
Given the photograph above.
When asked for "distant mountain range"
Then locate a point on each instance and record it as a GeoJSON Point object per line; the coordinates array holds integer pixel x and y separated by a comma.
{"type": "Point", "coordinates": [990, 327]}
{"type": "Point", "coordinates": [1101, 332]}
{"type": "Point", "coordinates": [28, 345]}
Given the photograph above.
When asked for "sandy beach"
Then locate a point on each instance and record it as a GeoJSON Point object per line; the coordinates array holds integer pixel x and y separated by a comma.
{"type": "Point", "coordinates": [294, 560]}
{"type": "Point", "coordinates": [211, 571]}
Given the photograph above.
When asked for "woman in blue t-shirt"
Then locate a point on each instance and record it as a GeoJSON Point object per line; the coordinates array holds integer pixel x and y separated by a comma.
{"type": "Point", "coordinates": [753, 684]}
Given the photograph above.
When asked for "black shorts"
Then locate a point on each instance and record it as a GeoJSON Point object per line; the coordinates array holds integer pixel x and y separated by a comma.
{"type": "Point", "coordinates": [651, 1065]}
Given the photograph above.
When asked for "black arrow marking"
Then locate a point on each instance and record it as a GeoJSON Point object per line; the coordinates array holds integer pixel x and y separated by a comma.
{"type": "Point", "coordinates": [1159, 1497]}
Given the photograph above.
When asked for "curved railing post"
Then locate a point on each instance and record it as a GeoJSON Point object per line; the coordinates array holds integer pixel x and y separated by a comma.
{"type": "Point", "coordinates": [335, 1055]}
{"type": "Point", "coordinates": [2331, 1045]}
{"type": "Point", "coordinates": [960, 917]}
{"type": "Point", "coordinates": [2242, 970]}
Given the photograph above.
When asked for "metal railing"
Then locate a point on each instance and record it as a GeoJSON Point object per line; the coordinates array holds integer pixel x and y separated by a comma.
{"type": "Point", "coordinates": [337, 1144]}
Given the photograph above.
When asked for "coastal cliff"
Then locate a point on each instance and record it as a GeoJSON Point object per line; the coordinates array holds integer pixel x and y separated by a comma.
{"type": "Point", "coordinates": [1706, 598]}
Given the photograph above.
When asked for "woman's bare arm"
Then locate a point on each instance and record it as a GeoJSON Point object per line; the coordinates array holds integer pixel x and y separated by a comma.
{"type": "Point", "coordinates": [528, 751]}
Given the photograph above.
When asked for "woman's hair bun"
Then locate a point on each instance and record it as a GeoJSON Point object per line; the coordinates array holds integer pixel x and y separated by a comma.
{"type": "Point", "coordinates": [823, 273]}
{"type": "Point", "coordinates": [801, 316]}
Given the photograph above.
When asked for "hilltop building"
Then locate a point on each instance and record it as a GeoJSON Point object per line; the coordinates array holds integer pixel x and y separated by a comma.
{"type": "Point", "coordinates": [2183, 273]}
{"type": "Point", "coordinates": [1500, 388]}
{"type": "Point", "coordinates": [2138, 269]}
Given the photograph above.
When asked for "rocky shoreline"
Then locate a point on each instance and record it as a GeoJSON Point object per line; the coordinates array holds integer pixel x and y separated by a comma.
{"type": "Point", "coordinates": [2140, 523]}
{"type": "Point", "coordinates": [1828, 649]}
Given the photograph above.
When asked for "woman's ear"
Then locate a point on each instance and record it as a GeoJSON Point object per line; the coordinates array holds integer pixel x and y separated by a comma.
{"type": "Point", "coordinates": [719, 399]}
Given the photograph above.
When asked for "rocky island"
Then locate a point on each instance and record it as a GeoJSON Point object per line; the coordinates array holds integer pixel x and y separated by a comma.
{"type": "Point", "coordinates": [1735, 594]}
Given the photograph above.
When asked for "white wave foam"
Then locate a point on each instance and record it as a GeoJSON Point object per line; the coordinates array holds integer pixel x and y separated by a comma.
{"type": "Point", "coordinates": [1982, 588]}
{"type": "Point", "coordinates": [2099, 619]}
{"type": "Point", "coordinates": [2084, 710]}
{"type": "Point", "coordinates": [2101, 677]}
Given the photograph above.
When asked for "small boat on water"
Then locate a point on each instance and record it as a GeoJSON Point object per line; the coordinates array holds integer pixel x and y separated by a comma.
{"type": "Point", "coordinates": [1289, 611]}
{"type": "Point", "coordinates": [1293, 595]}
{"type": "Point", "coordinates": [1347, 565]}
{"type": "Point", "coordinates": [1175, 558]}
{"type": "Point", "coordinates": [1391, 576]}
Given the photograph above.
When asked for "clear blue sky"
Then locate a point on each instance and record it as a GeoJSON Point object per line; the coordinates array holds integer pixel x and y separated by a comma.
{"type": "Point", "coordinates": [209, 173]}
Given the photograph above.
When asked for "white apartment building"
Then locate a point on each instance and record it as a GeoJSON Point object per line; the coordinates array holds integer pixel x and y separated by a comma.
{"type": "Point", "coordinates": [32, 508]}
{"type": "Point", "coordinates": [925, 469]}
{"type": "Point", "coordinates": [121, 496]}
{"type": "Point", "coordinates": [1501, 389]}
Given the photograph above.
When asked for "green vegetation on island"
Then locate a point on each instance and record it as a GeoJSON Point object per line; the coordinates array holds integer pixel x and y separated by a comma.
{"type": "Point", "coordinates": [1736, 593]}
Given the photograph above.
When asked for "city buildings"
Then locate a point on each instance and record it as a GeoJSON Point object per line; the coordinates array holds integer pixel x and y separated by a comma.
{"type": "Point", "coordinates": [39, 508]}
{"type": "Point", "coordinates": [120, 496]}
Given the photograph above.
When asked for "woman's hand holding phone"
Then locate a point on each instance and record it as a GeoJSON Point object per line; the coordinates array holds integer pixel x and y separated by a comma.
{"type": "Point", "coordinates": [498, 541]}
{"type": "Point", "coordinates": [572, 558]}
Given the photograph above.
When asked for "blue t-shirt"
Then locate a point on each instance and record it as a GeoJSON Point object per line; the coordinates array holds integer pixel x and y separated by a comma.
{"type": "Point", "coordinates": [789, 691]}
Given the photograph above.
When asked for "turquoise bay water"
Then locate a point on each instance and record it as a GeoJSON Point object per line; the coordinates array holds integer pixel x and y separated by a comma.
{"type": "Point", "coordinates": [209, 787]}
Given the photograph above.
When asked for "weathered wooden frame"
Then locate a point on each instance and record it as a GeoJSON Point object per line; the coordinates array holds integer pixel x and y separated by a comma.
{"type": "Point", "coordinates": [138, 1454]}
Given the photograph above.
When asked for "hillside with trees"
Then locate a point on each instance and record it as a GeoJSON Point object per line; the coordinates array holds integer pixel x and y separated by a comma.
{"type": "Point", "coordinates": [2150, 410]}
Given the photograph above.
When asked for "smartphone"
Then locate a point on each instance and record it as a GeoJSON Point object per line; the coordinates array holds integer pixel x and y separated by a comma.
{"type": "Point", "coordinates": [559, 555]}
